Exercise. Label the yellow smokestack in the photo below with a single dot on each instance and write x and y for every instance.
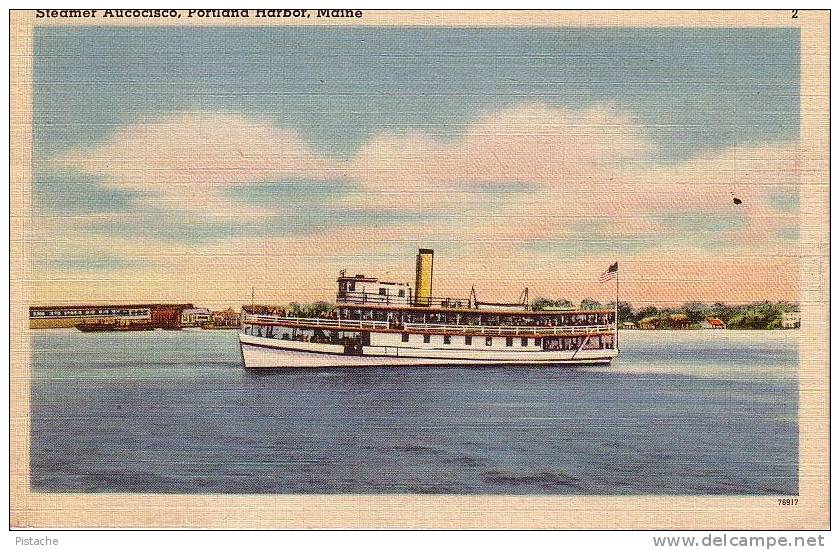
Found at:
(423, 282)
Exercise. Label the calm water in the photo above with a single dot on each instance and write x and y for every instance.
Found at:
(175, 412)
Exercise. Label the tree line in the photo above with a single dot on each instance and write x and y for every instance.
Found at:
(755, 315)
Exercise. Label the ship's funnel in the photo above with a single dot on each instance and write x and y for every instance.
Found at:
(423, 282)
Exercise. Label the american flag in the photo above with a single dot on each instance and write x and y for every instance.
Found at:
(610, 273)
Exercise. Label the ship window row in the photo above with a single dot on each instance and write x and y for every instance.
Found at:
(82, 312)
(551, 344)
(397, 318)
(384, 292)
(574, 343)
(468, 340)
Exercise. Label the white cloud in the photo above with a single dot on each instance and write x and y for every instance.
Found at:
(187, 160)
(578, 175)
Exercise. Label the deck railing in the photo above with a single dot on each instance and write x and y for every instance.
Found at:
(315, 321)
(488, 330)
(506, 330)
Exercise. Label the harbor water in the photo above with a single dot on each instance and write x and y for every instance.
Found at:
(678, 413)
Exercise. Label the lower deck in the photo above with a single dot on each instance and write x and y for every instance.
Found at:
(428, 336)
(270, 352)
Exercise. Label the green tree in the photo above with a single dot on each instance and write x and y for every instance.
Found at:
(543, 303)
(589, 303)
(647, 311)
(695, 312)
(318, 309)
(625, 310)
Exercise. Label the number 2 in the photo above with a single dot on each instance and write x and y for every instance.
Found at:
(795, 14)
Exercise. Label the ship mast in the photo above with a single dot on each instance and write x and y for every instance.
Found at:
(523, 298)
(616, 309)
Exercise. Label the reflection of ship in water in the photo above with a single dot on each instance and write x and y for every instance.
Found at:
(377, 323)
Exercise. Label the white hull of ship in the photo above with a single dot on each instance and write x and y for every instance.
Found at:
(261, 352)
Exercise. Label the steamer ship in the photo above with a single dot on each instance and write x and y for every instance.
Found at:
(381, 323)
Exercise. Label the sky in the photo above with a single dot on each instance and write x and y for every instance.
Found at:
(192, 164)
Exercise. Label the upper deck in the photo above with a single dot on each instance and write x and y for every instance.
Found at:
(447, 305)
(359, 293)
(368, 304)
(367, 325)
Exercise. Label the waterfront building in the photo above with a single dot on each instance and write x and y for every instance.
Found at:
(713, 323)
(679, 321)
(791, 319)
(195, 317)
(68, 316)
(224, 319)
(649, 323)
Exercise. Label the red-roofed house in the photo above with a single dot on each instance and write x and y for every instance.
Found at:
(713, 323)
